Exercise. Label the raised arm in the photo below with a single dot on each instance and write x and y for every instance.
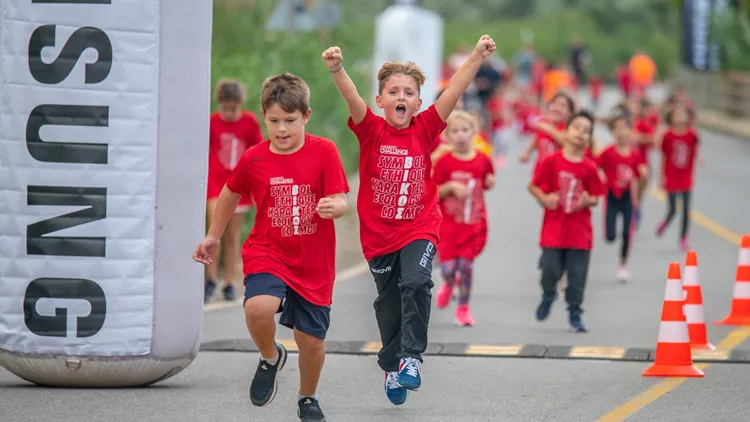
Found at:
(463, 77)
(354, 102)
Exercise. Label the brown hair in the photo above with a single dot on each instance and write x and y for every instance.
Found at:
(230, 90)
(409, 69)
(568, 99)
(290, 92)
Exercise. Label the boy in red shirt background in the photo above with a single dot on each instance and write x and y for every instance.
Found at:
(398, 202)
(231, 131)
(462, 176)
(289, 257)
(567, 185)
(679, 148)
(623, 166)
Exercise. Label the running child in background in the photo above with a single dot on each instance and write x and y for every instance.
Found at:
(595, 90)
(462, 177)
(645, 136)
(527, 113)
(399, 232)
(623, 166)
(549, 131)
(680, 151)
(289, 263)
(501, 121)
(231, 131)
(567, 185)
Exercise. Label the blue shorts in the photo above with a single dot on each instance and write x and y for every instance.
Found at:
(296, 311)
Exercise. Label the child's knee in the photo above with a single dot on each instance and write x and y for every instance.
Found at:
(610, 237)
(260, 307)
(309, 343)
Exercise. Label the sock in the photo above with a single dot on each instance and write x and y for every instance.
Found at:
(300, 396)
(274, 360)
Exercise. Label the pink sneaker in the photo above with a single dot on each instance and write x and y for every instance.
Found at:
(660, 230)
(463, 317)
(684, 244)
(444, 296)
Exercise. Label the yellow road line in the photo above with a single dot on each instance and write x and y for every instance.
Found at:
(734, 339)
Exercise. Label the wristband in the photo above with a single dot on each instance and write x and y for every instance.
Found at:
(341, 66)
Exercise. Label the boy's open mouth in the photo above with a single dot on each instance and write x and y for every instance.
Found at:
(401, 110)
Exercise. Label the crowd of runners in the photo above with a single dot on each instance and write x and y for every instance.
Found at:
(424, 172)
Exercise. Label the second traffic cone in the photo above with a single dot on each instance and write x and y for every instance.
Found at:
(696, 319)
(673, 357)
(740, 310)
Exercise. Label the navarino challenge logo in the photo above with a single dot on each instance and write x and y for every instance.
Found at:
(392, 150)
(281, 181)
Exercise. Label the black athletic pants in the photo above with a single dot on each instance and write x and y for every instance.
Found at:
(402, 309)
(615, 207)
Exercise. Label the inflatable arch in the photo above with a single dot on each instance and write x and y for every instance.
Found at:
(103, 145)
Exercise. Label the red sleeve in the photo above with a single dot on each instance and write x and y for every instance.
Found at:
(334, 176)
(254, 136)
(365, 130)
(490, 167)
(430, 123)
(440, 171)
(238, 182)
(696, 139)
(542, 175)
(594, 185)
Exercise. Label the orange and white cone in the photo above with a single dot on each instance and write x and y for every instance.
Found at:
(696, 318)
(740, 311)
(673, 356)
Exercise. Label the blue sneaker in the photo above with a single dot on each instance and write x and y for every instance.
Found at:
(409, 374)
(396, 393)
(542, 312)
(208, 290)
(575, 320)
(228, 291)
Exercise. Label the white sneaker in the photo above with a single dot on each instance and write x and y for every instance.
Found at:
(623, 274)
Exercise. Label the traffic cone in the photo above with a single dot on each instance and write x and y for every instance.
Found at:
(673, 357)
(740, 311)
(696, 319)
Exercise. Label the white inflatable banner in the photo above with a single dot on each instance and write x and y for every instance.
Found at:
(78, 152)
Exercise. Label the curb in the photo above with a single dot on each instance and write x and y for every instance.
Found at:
(724, 125)
(495, 351)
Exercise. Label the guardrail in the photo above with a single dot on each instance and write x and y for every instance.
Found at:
(728, 93)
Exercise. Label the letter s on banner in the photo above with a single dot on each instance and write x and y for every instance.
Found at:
(78, 150)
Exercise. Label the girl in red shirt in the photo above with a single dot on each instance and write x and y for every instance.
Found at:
(645, 137)
(622, 165)
(549, 131)
(231, 132)
(679, 148)
(462, 177)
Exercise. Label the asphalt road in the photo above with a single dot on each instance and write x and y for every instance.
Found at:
(506, 292)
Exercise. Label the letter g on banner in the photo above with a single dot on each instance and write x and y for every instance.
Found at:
(63, 296)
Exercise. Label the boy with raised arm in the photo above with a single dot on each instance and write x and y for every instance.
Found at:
(398, 202)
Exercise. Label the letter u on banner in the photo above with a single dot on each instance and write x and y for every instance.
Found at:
(78, 153)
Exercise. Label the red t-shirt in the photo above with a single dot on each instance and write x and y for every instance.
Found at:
(645, 126)
(679, 151)
(564, 227)
(620, 170)
(289, 239)
(397, 201)
(596, 88)
(546, 144)
(226, 143)
(463, 232)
